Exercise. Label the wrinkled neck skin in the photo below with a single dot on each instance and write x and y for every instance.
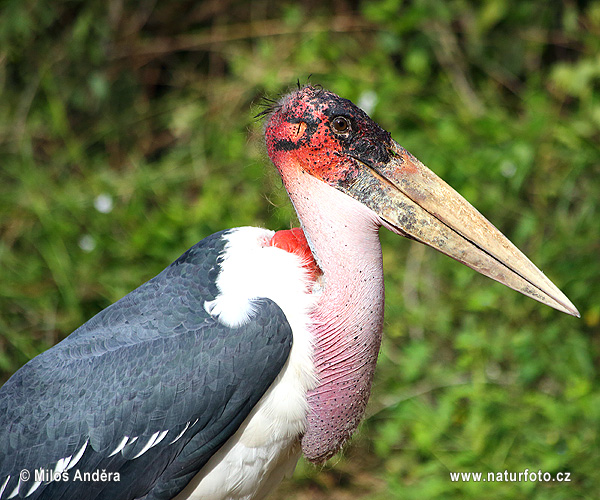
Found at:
(348, 318)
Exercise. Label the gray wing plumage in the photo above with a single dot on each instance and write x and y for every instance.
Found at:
(151, 388)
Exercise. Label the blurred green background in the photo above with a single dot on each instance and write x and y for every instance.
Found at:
(127, 134)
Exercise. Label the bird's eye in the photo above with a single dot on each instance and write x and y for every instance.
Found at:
(340, 125)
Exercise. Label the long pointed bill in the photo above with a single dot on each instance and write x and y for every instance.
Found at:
(411, 200)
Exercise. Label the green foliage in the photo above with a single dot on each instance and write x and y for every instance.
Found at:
(127, 134)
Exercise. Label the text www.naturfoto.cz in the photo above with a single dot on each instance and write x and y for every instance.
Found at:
(513, 477)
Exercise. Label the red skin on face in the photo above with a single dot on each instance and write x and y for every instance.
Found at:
(300, 132)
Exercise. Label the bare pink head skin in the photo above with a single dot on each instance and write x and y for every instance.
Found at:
(346, 178)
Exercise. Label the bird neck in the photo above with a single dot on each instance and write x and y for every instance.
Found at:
(347, 320)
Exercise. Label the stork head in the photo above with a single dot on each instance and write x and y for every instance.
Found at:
(330, 138)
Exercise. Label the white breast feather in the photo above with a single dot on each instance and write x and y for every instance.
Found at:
(266, 447)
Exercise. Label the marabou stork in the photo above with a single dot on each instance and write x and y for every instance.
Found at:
(254, 346)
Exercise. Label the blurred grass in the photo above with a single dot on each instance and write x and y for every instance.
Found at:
(126, 135)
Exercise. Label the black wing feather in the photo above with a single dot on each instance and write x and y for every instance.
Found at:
(151, 362)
